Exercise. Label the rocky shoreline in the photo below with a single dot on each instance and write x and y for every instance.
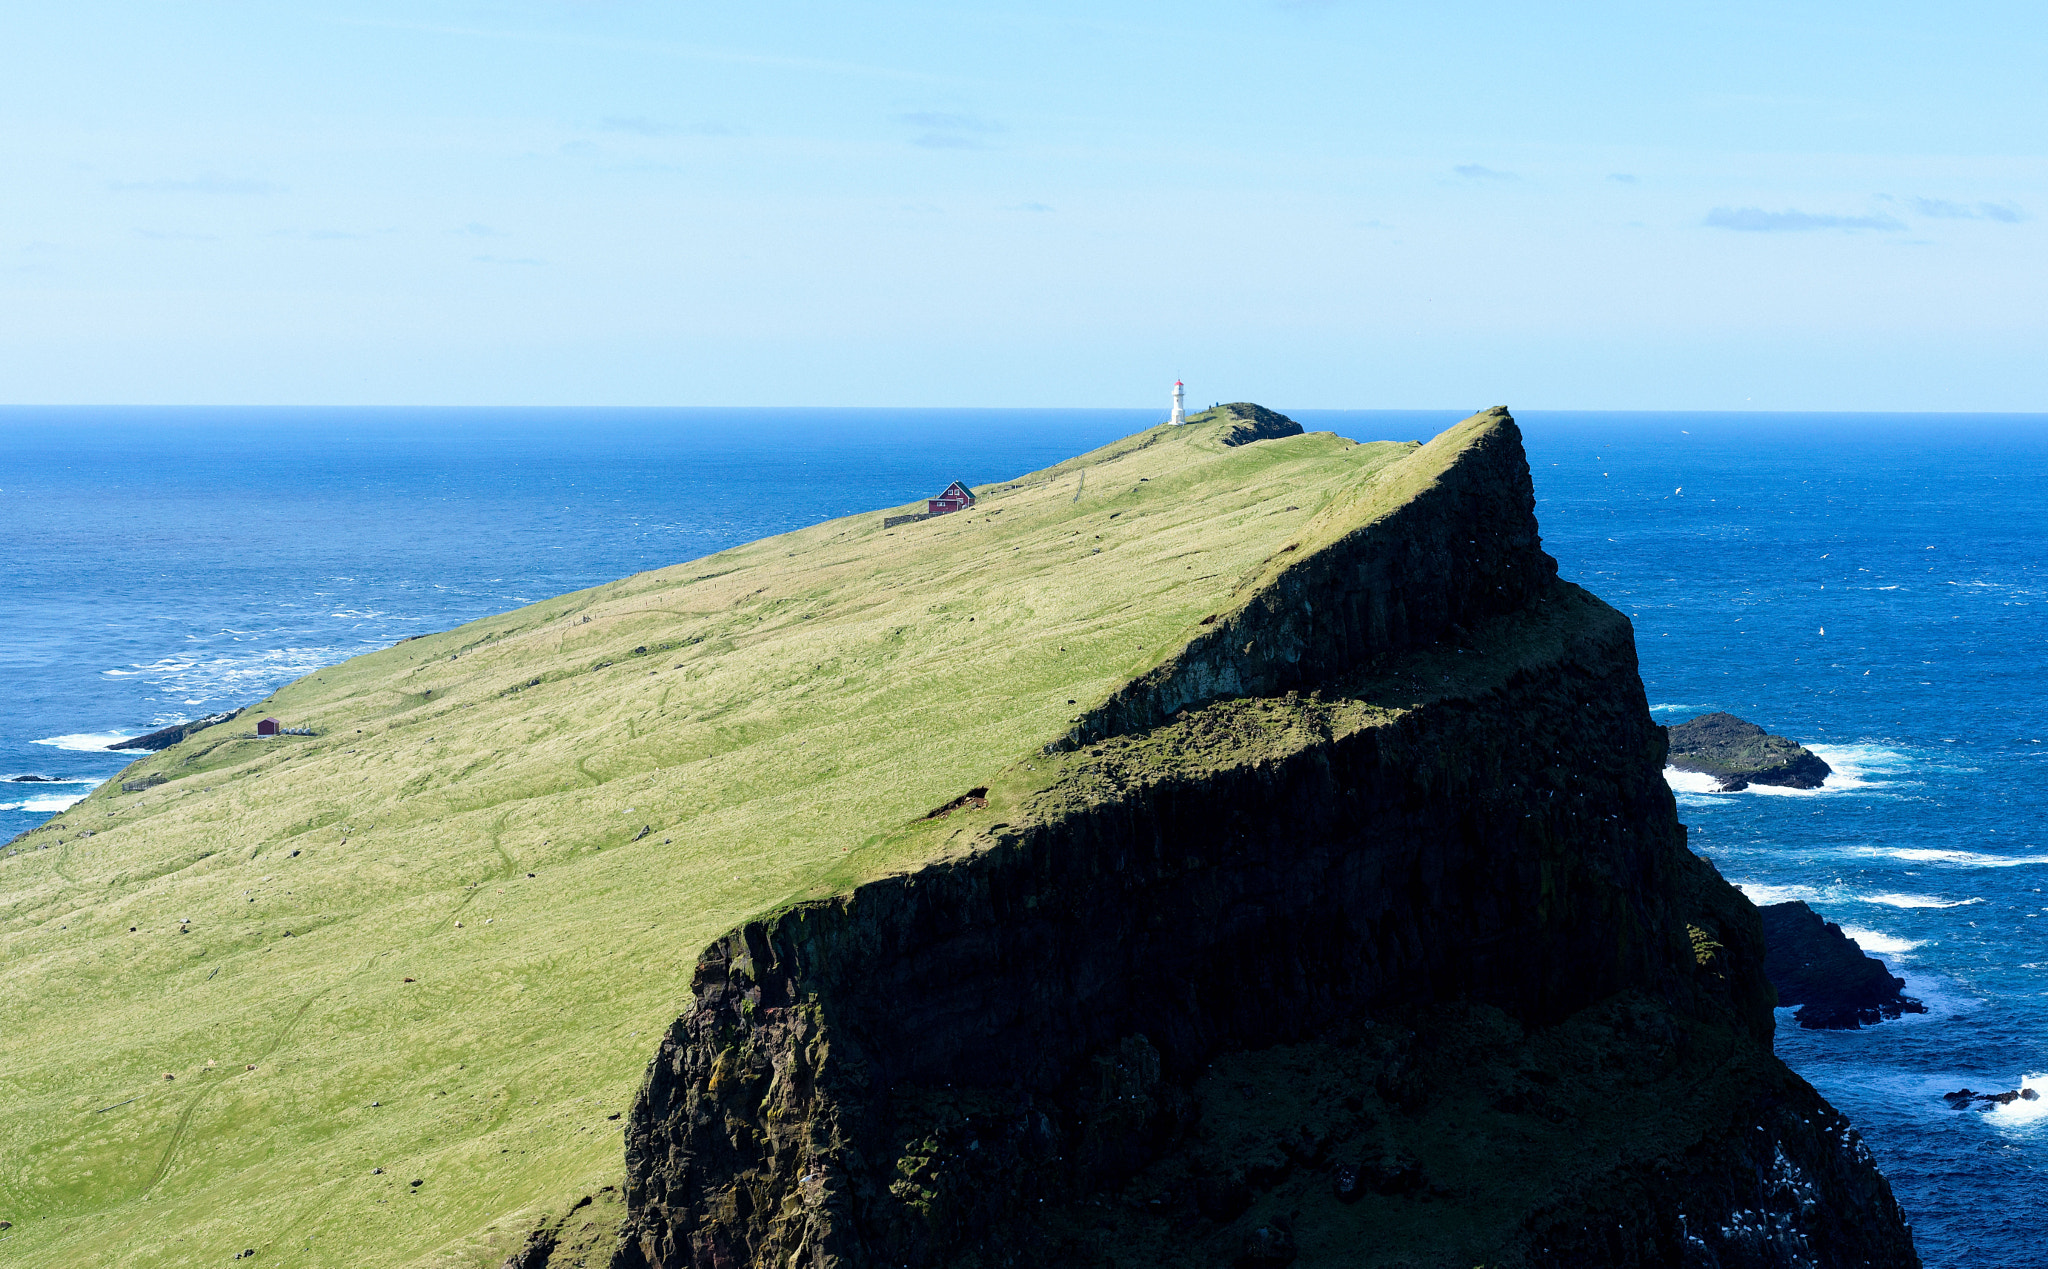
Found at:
(165, 737)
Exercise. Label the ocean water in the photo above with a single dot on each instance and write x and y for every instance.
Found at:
(1870, 585)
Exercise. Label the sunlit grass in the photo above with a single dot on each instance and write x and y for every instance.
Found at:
(665, 756)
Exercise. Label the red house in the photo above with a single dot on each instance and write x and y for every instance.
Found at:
(956, 498)
(268, 727)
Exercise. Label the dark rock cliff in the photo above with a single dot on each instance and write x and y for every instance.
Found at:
(1363, 932)
(1814, 965)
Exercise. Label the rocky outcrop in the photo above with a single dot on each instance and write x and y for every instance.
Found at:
(1966, 1099)
(165, 737)
(1363, 931)
(585, 1236)
(1814, 965)
(1740, 754)
(1244, 422)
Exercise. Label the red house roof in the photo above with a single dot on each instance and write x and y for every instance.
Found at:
(955, 497)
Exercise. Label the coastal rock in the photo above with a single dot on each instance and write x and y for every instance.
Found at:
(1822, 970)
(1740, 754)
(165, 737)
(1275, 901)
(1965, 1099)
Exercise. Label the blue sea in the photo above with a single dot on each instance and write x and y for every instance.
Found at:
(1872, 585)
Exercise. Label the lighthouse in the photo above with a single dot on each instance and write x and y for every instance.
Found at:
(1177, 420)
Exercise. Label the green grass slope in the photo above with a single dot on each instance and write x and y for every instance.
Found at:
(441, 937)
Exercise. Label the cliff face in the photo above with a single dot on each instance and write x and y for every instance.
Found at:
(1361, 930)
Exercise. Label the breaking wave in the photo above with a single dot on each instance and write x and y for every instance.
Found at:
(1960, 858)
(1878, 943)
(88, 742)
(1916, 901)
(1854, 769)
(1763, 894)
(2023, 1113)
(51, 804)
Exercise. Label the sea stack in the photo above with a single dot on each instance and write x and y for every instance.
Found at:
(1740, 754)
(1814, 965)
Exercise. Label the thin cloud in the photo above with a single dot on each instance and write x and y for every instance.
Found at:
(1623, 178)
(1942, 209)
(210, 183)
(1756, 220)
(1031, 207)
(938, 131)
(477, 229)
(162, 235)
(1474, 172)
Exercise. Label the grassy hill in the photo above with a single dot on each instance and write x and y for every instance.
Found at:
(440, 937)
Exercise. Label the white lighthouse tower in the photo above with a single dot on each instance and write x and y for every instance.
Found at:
(1177, 420)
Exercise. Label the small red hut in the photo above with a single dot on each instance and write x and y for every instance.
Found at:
(268, 727)
(957, 497)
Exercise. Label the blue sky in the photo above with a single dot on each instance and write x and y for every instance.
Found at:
(1684, 206)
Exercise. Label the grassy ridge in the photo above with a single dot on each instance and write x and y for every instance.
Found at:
(771, 716)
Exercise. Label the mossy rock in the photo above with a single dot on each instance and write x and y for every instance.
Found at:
(1740, 754)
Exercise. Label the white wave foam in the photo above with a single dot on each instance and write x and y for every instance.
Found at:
(1780, 791)
(1864, 760)
(1690, 781)
(62, 801)
(88, 742)
(1853, 768)
(1916, 901)
(1763, 894)
(2023, 1113)
(1961, 858)
(202, 679)
(1681, 709)
(1877, 943)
